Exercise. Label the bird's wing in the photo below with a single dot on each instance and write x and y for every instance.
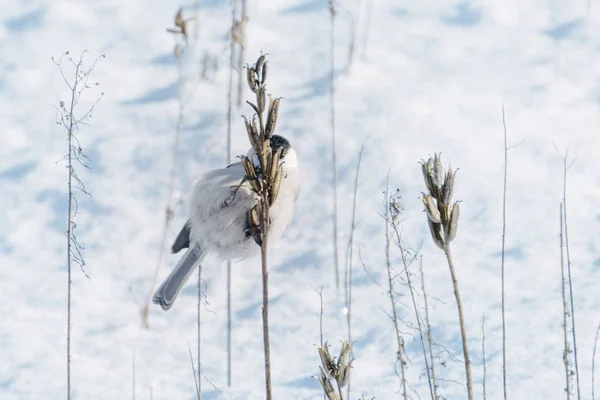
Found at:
(182, 241)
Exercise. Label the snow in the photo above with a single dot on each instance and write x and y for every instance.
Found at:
(431, 77)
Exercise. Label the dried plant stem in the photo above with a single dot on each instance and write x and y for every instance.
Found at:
(428, 329)
(70, 122)
(461, 317)
(399, 339)
(199, 335)
(405, 265)
(196, 381)
(265, 280)
(171, 192)
(349, 264)
(483, 356)
(503, 254)
(333, 144)
(567, 349)
(570, 279)
(242, 49)
(229, 114)
(594, 362)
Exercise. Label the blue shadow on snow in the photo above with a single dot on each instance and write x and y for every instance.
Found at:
(564, 30)
(463, 15)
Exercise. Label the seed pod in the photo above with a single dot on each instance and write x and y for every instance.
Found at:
(276, 185)
(262, 98)
(426, 175)
(325, 357)
(344, 375)
(251, 75)
(328, 387)
(453, 223)
(253, 222)
(437, 234)
(438, 171)
(431, 208)
(272, 117)
(448, 187)
(253, 106)
(344, 354)
(265, 69)
(259, 63)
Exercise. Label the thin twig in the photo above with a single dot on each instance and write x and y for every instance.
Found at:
(405, 264)
(483, 356)
(503, 254)
(570, 279)
(594, 362)
(198, 393)
(567, 349)
(242, 49)
(333, 144)
(429, 336)
(349, 263)
(399, 339)
(66, 117)
(199, 336)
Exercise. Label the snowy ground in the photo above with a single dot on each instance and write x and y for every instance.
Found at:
(429, 76)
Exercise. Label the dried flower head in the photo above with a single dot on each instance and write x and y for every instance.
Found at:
(442, 215)
(338, 371)
(265, 175)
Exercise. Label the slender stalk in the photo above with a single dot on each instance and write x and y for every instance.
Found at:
(321, 326)
(242, 50)
(414, 303)
(400, 340)
(265, 281)
(350, 254)
(196, 381)
(461, 317)
(333, 145)
(229, 114)
(429, 337)
(567, 349)
(70, 223)
(594, 362)
(199, 336)
(483, 356)
(570, 280)
(503, 254)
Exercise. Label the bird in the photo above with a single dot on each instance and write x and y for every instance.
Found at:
(217, 218)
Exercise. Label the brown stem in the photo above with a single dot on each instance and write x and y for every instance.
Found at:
(461, 317)
(566, 349)
(265, 280)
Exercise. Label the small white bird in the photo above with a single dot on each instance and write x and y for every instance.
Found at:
(218, 209)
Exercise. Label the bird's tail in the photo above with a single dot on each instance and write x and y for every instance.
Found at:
(167, 293)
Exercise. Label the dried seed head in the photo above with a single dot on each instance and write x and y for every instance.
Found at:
(437, 234)
(276, 185)
(272, 116)
(453, 223)
(431, 209)
(253, 222)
